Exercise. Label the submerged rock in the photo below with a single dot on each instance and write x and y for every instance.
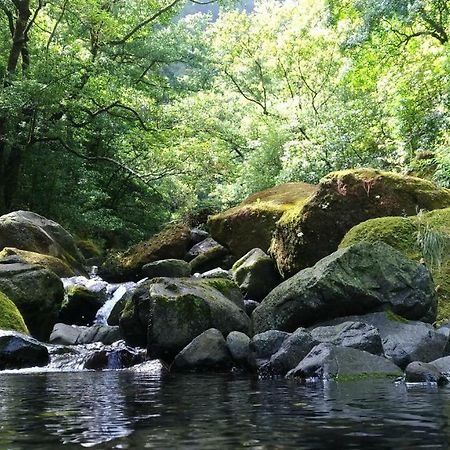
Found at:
(327, 361)
(250, 225)
(208, 351)
(25, 230)
(38, 294)
(356, 280)
(256, 274)
(18, 351)
(166, 314)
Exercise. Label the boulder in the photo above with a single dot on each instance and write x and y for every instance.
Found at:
(256, 274)
(264, 345)
(80, 306)
(208, 351)
(228, 288)
(216, 273)
(442, 364)
(405, 341)
(198, 235)
(25, 230)
(356, 280)
(402, 233)
(56, 265)
(166, 314)
(359, 335)
(344, 199)
(250, 306)
(250, 225)
(420, 372)
(64, 334)
(171, 268)
(18, 351)
(10, 317)
(171, 243)
(209, 255)
(291, 352)
(327, 361)
(38, 294)
(239, 347)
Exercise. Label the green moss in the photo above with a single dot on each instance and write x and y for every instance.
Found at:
(365, 376)
(10, 317)
(223, 285)
(390, 315)
(401, 233)
(89, 248)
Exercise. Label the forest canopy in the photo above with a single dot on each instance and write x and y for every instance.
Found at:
(119, 115)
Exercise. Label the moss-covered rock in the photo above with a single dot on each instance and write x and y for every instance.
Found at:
(28, 231)
(311, 231)
(38, 294)
(89, 248)
(166, 314)
(402, 234)
(49, 262)
(10, 317)
(171, 243)
(250, 224)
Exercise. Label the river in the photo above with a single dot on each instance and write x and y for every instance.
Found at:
(132, 410)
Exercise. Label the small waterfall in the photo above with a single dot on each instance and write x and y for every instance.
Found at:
(117, 293)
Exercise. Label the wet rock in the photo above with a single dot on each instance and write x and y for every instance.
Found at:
(165, 314)
(264, 345)
(38, 294)
(63, 334)
(291, 352)
(239, 346)
(327, 361)
(359, 335)
(19, 351)
(256, 274)
(113, 359)
(357, 280)
(170, 268)
(442, 364)
(208, 351)
(420, 372)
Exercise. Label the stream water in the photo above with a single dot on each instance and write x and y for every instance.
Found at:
(136, 410)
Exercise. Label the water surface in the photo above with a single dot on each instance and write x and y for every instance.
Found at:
(127, 410)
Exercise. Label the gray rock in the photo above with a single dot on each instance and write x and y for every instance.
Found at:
(198, 235)
(359, 279)
(256, 274)
(113, 359)
(171, 268)
(264, 345)
(405, 341)
(209, 255)
(239, 346)
(38, 294)
(217, 273)
(63, 334)
(328, 361)
(19, 351)
(420, 372)
(204, 246)
(291, 352)
(250, 306)
(166, 314)
(442, 364)
(361, 336)
(208, 351)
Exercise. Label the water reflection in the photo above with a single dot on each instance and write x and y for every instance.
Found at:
(127, 409)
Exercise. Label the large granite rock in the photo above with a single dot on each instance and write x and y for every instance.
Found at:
(38, 294)
(344, 199)
(18, 351)
(327, 361)
(357, 280)
(251, 224)
(25, 230)
(166, 314)
(208, 351)
(256, 274)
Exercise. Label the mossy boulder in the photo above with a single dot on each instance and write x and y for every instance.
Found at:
(37, 293)
(250, 224)
(311, 231)
(56, 265)
(25, 230)
(10, 317)
(402, 234)
(171, 243)
(89, 248)
(166, 314)
(359, 279)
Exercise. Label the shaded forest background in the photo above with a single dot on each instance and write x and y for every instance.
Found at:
(117, 116)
